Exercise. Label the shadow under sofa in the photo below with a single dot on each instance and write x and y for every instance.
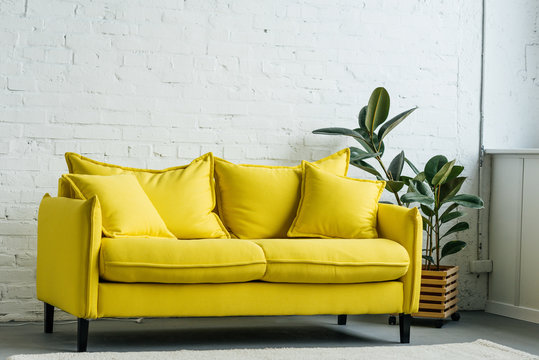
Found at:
(83, 273)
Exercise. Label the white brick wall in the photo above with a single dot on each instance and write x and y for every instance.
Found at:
(511, 98)
(155, 84)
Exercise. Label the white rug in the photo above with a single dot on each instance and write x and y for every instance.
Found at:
(479, 349)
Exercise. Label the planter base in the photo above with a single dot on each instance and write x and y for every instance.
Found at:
(438, 298)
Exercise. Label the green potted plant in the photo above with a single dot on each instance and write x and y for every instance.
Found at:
(435, 190)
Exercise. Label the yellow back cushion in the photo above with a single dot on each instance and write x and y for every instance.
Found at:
(334, 206)
(260, 202)
(184, 196)
(126, 209)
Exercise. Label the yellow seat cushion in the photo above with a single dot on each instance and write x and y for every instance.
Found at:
(180, 261)
(126, 209)
(184, 196)
(260, 202)
(334, 206)
(333, 261)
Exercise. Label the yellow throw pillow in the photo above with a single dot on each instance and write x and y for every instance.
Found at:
(184, 196)
(126, 210)
(334, 206)
(260, 202)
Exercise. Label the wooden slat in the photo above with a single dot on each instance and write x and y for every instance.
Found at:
(428, 314)
(448, 312)
(436, 314)
(440, 282)
(424, 306)
(450, 303)
(445, 272)
(437, 306)
(443, 297)
(450, 278)
(438, 290)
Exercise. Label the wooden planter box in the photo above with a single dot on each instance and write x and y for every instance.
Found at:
(438, 298)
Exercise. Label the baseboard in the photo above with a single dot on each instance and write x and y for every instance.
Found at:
(512, 311)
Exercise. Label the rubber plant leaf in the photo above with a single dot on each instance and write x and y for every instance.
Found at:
(377, 109)
(450, 208)
(467, 200)
(358, 154)
(394, 186)
(361, 117)
(450, 188)
(433, 166)
(412, 166)
(347, 132)
(456, 171)
(396, 165)
(391, 124)
(366, 167)
(441, 176)
(416, 197)
(452, 247)
(461, 226)
(451, 216)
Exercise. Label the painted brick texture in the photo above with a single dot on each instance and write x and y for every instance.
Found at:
(155, 84)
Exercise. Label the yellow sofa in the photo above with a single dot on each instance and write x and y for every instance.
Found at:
(90, 276)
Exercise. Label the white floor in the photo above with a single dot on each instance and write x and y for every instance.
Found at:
(262, 332)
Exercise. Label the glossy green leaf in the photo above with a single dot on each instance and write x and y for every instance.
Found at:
(457, 169)
(450, 208)
(396, 165)
(412, 166)
(394, 186)
(378, 109)
(427, 211)
(361, 117)
(467, 200)
(416, 197)
(428, 258)
(366, 167)
(359, 154)
(450, 188)
(346, 132)
(461, 226)
(446, 217)
(442, 174)
(405, 179)
(391, 124)
(433, 166)
(337, 131)
(420, 176)
(423, 189)
(452, 247)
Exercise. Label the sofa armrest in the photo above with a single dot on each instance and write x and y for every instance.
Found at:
(68, 242)
(404, 226)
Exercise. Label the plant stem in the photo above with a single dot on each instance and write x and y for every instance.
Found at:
(436, 211)
(431, 229)
(427, 247)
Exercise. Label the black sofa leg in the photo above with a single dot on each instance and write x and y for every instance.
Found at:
(404, 326)
(48, 318)
(82, 334)
(341, 319)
